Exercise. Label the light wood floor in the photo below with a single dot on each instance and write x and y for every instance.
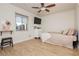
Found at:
(37, 48)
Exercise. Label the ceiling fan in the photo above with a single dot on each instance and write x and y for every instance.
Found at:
(44, 8)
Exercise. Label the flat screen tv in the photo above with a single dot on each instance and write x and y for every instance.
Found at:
(37, 20)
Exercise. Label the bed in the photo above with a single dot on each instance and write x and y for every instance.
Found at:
(58, 39)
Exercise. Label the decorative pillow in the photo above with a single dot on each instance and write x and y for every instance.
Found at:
(70, 32)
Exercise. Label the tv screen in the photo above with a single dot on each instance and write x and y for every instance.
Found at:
(37, 20)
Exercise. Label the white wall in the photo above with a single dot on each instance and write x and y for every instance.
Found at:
(59, 21)
(7, 12)
(77, 19)
(50, 23)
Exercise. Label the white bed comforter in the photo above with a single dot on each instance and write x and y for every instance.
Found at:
(58, 39)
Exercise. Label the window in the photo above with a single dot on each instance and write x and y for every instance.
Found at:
(21, 22)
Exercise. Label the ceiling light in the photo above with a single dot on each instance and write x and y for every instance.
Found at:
(43, 8)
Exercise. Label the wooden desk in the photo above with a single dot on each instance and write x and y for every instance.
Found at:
(5, 31)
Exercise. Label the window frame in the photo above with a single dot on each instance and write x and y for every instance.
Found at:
(26, 24)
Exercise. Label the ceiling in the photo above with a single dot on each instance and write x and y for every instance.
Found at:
(58, 7)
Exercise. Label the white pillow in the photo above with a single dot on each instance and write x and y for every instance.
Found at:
(71, 32)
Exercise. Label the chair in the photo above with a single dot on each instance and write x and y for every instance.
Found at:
(6, 41)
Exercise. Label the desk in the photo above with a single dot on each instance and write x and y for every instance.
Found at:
(5, 31)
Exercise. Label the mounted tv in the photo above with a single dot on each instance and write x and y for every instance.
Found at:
(37, 20)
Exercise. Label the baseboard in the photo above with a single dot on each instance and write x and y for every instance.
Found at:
(19, 41)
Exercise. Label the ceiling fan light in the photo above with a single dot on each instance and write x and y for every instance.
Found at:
(43, 8)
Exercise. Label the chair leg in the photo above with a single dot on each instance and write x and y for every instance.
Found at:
(11, 42)
(2, 46)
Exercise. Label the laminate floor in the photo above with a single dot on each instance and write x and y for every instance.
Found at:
(35, 47)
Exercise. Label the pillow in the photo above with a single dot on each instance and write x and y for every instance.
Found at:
(70, 32)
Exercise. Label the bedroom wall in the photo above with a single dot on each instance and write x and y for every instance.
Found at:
(7, 12)
(59, 21)
(77, 18)
(50, 23)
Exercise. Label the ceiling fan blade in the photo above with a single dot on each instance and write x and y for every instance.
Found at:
(42, 4)
(36, 7)
(47, 10)
(39, 11)
(52, 5)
